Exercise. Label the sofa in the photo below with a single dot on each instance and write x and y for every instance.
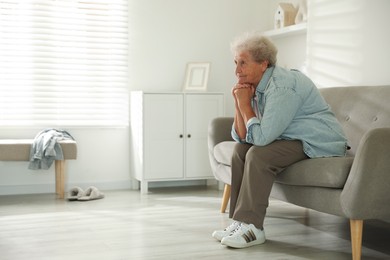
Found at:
(356, 186)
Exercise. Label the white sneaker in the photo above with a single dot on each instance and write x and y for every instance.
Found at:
(244, 236)
(219, 234)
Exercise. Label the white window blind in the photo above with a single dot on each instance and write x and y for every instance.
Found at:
(63, 63)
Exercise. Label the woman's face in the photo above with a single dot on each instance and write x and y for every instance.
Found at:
(247, 70)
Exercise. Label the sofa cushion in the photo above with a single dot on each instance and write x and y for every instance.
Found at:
(223, 152)
(329, 172)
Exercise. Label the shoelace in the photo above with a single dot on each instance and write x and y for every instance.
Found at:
(232, 225)
(238, 228)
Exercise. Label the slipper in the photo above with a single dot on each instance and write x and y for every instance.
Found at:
(92, 193)
(75, 193)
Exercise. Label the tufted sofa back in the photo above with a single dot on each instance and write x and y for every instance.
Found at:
(359, 109)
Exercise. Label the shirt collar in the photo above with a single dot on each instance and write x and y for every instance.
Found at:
(264, 82)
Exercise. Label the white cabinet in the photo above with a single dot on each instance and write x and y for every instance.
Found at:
(169, 135)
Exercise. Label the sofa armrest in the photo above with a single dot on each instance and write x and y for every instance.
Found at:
(219, 131)
(366, 194)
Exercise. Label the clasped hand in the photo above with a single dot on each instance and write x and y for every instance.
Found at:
(243, 93)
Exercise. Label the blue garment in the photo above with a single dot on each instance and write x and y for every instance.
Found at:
(292, 108)
(45, 148)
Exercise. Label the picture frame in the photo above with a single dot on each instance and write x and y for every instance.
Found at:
(197, 74)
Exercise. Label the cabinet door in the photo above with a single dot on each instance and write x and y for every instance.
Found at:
(163, 139)
(200, 110)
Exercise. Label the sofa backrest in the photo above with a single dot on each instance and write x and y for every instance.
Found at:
(359, 109)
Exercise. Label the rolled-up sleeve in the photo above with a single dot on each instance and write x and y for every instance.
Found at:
(235, 135)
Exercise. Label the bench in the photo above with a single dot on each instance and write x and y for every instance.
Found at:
(19, 150)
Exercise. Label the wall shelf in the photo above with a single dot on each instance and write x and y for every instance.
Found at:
(291, 30)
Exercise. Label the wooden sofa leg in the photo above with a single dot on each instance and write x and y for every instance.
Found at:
(60, 178)
(225, 198)
(356, 238)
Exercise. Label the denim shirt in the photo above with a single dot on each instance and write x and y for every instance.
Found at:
(292, 108)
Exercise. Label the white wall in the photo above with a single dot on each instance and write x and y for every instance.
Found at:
(165, 35)
(348, 42)
(169, 33)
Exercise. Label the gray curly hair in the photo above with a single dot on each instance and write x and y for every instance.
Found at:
(260, 47)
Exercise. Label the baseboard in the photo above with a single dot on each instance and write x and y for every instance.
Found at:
(166, 184)
(120, 185)
(50, 187)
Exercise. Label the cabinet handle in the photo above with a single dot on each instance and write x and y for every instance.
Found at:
(189, 136)
(181, 136)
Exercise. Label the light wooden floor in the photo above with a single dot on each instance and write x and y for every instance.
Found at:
(168, 224)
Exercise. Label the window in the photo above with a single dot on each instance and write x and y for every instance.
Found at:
(63, 63)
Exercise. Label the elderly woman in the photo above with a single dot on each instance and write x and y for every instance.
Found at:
(280, 118)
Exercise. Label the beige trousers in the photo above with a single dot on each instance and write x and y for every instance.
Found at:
(254, 169)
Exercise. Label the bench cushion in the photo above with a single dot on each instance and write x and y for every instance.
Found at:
(19, 149)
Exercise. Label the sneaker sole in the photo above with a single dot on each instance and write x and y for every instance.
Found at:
(240, 245)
